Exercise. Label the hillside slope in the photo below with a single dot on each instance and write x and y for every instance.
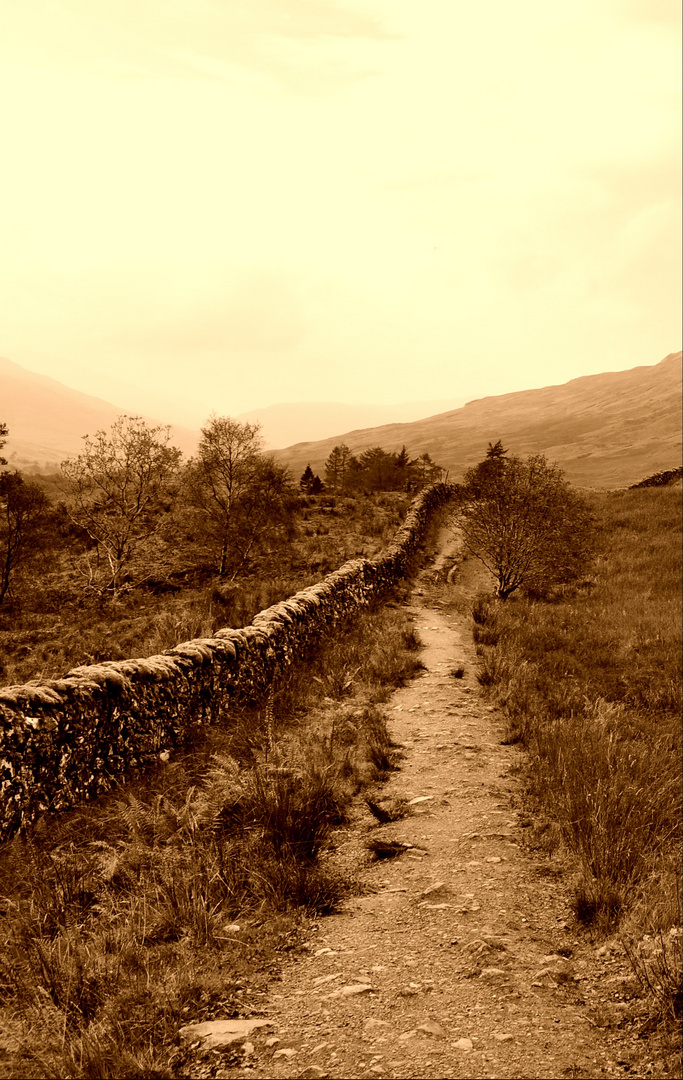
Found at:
(314, 420)
(604, 430)
(47, 419)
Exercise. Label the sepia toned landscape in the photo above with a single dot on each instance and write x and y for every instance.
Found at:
(341, 469)
(402, 743)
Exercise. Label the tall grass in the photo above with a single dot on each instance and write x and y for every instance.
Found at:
(171, 899)
(591, 684)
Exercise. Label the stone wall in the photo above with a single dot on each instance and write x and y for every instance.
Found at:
(67, 740)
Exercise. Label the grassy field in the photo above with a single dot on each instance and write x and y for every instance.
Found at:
(173, 899)
(591, 685)
(57, 624)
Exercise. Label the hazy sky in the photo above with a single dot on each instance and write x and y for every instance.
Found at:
(230, 203)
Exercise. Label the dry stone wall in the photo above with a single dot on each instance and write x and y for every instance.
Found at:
(67, 740)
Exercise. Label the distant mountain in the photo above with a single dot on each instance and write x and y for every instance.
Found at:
(46, 419)
(308, 421)
(606, 430)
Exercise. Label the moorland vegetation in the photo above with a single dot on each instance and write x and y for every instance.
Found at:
(173, 896)
(129, 550)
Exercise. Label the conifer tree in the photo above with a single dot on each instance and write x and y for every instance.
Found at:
(306, 480)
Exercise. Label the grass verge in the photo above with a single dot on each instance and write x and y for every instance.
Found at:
(591, 685)
(172, 900)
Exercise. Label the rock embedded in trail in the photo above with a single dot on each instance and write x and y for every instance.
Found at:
(432, 1028)
(352, 990)
(493, 973)
(464, 1044)
(213, 1034)
(433, 889)
(322, 979)
(372, 1024)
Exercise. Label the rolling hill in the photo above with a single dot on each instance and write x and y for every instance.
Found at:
(47, 419)
(606, 430)
(314, 420)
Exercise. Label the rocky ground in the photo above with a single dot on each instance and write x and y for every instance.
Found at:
(463, 957)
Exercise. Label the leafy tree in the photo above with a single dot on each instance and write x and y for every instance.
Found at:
(378, 469)
(337, 468)
(117, 487)
(426, 471)
(243, 500)
(3, 439)
(482, 475)
(24, 514)
(524, 522)
(317, 485)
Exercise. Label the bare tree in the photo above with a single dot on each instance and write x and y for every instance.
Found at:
(524, 522)
(242, 498)
(116, 486)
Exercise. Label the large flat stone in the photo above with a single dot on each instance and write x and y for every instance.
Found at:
(213, 1034)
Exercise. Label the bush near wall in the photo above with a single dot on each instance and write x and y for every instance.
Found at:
(68, 740)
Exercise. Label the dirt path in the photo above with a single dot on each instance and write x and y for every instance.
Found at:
(462, 959)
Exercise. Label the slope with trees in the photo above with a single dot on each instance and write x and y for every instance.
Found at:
(605, 430)
(130, 550)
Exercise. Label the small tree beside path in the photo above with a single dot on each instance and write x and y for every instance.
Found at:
(523, 521)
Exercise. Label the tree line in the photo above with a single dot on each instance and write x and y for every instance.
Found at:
(129, 494)
(373, 470)
(128, 502)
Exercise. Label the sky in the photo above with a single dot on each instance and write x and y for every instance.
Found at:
(218, 205)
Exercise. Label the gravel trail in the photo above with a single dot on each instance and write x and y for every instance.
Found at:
(463, 959)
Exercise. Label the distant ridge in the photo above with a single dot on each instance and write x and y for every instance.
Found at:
(605, 430)
(47, 419)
